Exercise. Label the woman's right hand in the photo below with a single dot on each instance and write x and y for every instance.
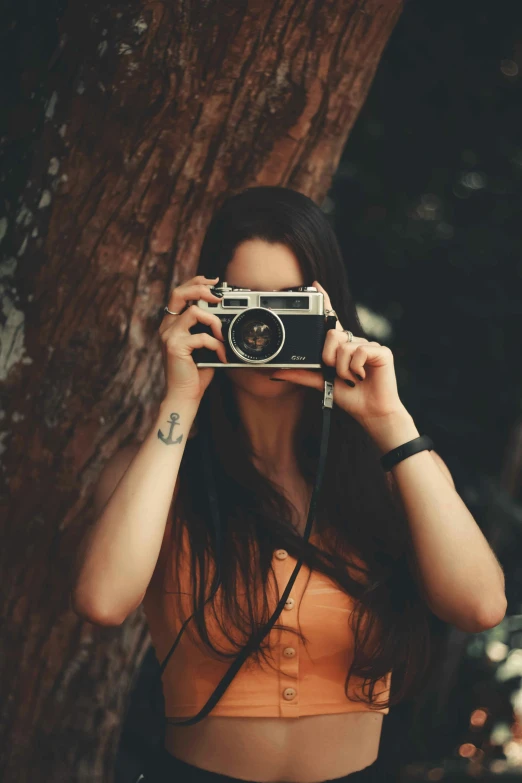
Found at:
(182, 376)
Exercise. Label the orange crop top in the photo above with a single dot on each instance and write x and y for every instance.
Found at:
(311, 677)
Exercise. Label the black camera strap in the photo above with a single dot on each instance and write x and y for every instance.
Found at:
(256, 639)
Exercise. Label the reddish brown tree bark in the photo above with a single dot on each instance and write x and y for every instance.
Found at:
(153, 112)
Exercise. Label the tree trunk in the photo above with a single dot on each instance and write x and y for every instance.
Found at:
(153, 112)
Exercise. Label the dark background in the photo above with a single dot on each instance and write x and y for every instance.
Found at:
(427, 205)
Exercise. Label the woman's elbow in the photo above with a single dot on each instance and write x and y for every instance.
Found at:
(490, 618)
(94, 615)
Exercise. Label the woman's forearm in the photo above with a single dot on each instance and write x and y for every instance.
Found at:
(459, 573)
(122, 548)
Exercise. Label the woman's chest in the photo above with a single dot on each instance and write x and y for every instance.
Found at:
(316, 608)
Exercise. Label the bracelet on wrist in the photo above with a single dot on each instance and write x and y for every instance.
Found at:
(421, 443)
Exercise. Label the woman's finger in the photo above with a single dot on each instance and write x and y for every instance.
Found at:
(327, 303)
(342, 365)
(205, 340)
(195, 288)
(330, 347)
(190, 317)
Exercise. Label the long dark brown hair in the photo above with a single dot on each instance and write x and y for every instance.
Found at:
(358, 509)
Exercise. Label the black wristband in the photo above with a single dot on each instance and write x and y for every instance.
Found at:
(421, 443)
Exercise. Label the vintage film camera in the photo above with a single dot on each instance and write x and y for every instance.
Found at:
(266, 328)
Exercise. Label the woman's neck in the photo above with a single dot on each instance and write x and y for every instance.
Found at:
(271, 425)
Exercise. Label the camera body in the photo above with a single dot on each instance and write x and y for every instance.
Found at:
(266, 328)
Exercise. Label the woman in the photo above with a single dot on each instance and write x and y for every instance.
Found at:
(356, 610)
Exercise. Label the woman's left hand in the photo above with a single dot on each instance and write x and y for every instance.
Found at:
(375, 394)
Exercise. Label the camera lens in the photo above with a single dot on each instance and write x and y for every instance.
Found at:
(257, 335)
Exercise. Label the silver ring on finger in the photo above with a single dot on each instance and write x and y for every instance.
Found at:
(170, 312)
(350, 335)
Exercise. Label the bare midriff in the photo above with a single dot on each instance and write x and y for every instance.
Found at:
(308, 749)
(275, 750)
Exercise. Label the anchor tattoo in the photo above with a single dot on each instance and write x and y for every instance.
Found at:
(168, 440)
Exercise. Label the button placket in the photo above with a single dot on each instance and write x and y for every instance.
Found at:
(288, 642)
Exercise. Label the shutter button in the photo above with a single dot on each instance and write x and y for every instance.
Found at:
(289, 603)
(281, 554)
(289, 693)
(289, 652)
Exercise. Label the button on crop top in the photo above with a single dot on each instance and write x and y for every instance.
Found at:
(305, 679)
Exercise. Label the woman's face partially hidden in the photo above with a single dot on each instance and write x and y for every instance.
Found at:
(262, 266)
